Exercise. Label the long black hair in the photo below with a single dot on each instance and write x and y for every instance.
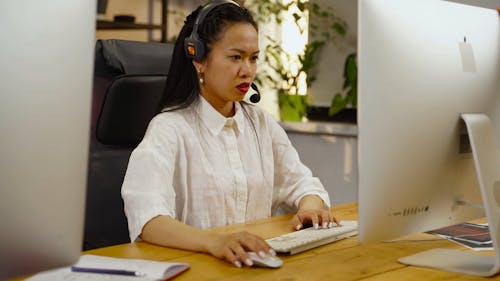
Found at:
(182, 87)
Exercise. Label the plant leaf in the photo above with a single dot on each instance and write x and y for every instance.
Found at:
(339, 28)
(338, 103)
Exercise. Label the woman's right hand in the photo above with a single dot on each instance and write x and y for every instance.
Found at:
(234, 247)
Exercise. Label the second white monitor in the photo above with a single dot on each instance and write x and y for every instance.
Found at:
(421, 64)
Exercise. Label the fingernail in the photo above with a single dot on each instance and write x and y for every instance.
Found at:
(249, 262)
(298, 226)
(237, 263)
(325, 225)
(316, 226)
(262, 254)
(272, 252)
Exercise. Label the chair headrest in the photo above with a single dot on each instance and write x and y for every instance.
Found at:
(137, 73)
(115, 57)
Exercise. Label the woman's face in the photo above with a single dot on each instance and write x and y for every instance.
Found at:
(230, 67)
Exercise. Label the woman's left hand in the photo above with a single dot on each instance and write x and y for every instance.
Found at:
(313, 211)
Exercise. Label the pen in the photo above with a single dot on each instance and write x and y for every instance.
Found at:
(106, 271)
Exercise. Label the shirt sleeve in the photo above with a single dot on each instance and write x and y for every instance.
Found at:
(293, 179)
(147, 189)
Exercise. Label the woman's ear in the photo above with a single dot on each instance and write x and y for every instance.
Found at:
(199, 66)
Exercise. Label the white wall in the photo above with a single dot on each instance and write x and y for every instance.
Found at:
(333, 159)
(330, 66)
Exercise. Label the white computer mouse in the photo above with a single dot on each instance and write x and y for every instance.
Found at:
(268, 261)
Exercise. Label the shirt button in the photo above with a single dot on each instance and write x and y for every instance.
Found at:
(229, 123)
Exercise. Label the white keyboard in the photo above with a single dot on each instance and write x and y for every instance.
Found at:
(305, 239)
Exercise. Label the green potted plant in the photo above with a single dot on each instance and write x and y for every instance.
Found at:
(292, 105)
(349, 96)
(283, 77)
(343, 104)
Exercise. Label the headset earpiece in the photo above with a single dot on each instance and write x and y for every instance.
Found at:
(194, 47)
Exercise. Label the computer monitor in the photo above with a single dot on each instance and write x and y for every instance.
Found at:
(46, 64)
(422, 63)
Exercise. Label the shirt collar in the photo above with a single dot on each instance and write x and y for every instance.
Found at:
(215, 121)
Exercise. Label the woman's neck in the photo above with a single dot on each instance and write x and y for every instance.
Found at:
(226, 108)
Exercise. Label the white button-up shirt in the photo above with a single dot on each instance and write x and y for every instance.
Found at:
(206, 170)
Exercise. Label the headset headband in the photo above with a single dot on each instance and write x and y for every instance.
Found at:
(193, 45)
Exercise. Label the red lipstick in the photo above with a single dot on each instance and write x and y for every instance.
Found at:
(243, 87)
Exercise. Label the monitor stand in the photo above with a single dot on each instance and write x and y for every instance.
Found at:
(487, 162)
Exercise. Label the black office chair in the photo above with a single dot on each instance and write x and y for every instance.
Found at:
(129, 80)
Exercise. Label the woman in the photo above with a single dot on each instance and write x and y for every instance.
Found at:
(208, 159)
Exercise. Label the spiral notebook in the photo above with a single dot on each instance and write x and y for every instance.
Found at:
(92, 267)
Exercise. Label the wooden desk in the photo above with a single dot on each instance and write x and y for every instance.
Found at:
(342, 260)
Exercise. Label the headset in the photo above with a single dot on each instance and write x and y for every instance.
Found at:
(194, 47)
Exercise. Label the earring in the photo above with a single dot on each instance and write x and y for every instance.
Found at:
(202, 80)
